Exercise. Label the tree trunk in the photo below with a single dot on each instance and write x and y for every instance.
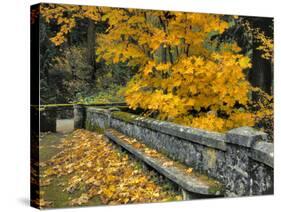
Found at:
(91, 41)
(261, 74)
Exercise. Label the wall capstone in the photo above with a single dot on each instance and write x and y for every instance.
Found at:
(245, 136)
(263, 152)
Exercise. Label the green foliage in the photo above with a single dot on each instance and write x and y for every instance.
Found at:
(47, 51)
(108, 95)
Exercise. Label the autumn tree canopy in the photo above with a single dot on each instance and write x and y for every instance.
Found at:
(185, 72)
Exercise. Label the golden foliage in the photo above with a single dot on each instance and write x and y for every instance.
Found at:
(183, 74)
(265, 42)
(101, 170)
(66, 16)
(266, 45)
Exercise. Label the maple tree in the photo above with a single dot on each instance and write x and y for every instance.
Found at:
(186, 74)
(66, 17)
(265, 42)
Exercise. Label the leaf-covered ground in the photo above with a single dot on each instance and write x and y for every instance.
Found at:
(84, 168)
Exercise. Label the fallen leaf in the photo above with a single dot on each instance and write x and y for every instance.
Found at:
(166, 164)
(189, 170)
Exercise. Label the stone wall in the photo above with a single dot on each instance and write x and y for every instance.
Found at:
(48, 119)
(49, 116)
(242, 158)
(50, 113)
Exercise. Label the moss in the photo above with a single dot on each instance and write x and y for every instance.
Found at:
(214, 185)
(47, 143)
(60, 198)
(54, 192)
(79, 103)
(127, 117)
(57, 105)
(215, 188)
(122, 108)
(93, 127)
(212, 157)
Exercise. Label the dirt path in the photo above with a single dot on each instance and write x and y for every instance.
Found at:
(84, 168)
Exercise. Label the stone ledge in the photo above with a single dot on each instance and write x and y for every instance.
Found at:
(189, 182)
(98, 110)
(263, 152)
(123, 116)
(245, 136)
(206, 138)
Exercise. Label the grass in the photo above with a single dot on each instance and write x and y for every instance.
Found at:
(48, 143)
(59, 198)
(54, 192)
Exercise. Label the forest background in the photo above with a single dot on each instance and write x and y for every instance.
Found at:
(203, 70)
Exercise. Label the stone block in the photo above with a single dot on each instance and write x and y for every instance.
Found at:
(245, 136)
(263, 152)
